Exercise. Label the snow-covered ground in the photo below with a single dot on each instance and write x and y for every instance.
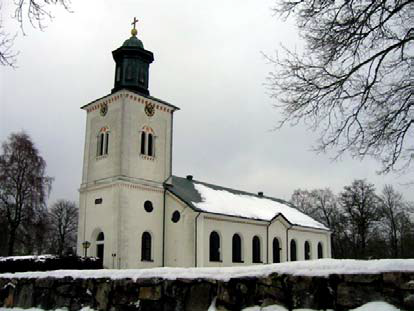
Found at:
(320, 267)
(372, 306)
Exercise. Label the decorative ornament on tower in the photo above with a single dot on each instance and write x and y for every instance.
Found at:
(132, 64)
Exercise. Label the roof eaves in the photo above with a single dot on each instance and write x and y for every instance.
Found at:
(310, 227)
(140, 94)
(281, 216)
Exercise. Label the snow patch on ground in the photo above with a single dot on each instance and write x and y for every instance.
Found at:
(225, 202)
(320, 267)
(34, 257)
(371, 306)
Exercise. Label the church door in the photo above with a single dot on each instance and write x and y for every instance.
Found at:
(100, 246)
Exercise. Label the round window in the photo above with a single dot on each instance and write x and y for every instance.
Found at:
(175, 216)
(148, 206)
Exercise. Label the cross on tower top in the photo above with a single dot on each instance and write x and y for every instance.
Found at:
(134, 22)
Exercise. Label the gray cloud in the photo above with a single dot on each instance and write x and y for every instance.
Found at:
(208, 62)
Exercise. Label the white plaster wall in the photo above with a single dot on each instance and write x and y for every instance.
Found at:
(125, 119)
(300, 235)
(135, 220)
(98, 217)
(226, 227)
(136, 179)
(98, 168)
(277, 229)
(156, 168)
(180, 236)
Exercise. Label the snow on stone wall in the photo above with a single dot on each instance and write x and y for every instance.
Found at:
(195, 289)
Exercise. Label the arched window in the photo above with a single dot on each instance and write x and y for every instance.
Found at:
(146, 246)
(276, 250)
(150, 145)
(102, 142)
(100, 239)
(237, 248)
(293, 250)
(320, 250)
(256, 249)
(147, 141)
(106, 142)
(214, 246)
(307, 251)
(143, 142)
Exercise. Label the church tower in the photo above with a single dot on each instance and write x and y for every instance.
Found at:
(127, 158)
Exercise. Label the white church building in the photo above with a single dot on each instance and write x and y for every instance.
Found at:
(134, 213)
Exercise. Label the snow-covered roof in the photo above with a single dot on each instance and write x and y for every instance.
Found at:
(215, 199)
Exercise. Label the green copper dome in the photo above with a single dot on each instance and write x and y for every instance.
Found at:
(132, 65)
(133, 42)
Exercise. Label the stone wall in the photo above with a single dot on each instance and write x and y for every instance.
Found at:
(338, 292)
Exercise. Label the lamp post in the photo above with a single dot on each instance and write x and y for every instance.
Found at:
(85, 246)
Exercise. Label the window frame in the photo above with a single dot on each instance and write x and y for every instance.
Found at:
(237, 253)
(215, 250)
(307, 248)
(102, 142)
(143, 142)
(291, 248)
(320, 250)
(146, 246)
(279, 250)
(257, 249)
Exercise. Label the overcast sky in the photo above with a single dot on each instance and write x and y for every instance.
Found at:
(208, 62)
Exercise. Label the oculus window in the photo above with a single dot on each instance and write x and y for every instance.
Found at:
(148, 206)
(175, 217)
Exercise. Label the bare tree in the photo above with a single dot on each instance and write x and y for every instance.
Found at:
(353, 81)
(33, 235)
(394, 211)
(7, 56)
(35, 12)
(360, 204)
(322, 205)
(23, 184)
(301, 199)
(64, 222)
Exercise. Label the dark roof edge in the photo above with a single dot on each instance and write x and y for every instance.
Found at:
(140, 94)
(240, 191)
(212, 213)
(190, 204)
(242, 217)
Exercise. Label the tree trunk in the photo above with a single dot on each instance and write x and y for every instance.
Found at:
(12, 239)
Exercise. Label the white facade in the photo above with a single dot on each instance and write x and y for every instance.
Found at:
(135, 214)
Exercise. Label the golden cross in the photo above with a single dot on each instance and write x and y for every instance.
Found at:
(134, 22)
